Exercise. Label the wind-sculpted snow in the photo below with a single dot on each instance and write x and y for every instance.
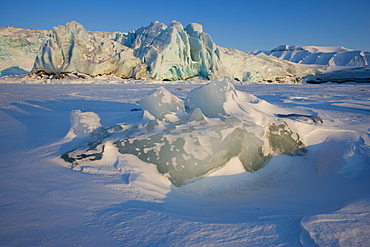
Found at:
(188, 145)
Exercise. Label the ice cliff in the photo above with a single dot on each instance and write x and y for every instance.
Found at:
(71, 48)
(157, 51)
(187, 140)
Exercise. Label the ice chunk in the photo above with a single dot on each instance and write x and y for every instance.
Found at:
(283, 140)
(210, 98)
(195, 153)
(84, 122)
(162, 104)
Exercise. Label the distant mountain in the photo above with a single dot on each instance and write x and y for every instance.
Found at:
(320, 55)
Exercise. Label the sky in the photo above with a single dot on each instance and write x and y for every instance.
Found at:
(241, 24)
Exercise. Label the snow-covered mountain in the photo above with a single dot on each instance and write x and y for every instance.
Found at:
(320, 55)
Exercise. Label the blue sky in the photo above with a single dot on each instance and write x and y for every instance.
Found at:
(242, 24)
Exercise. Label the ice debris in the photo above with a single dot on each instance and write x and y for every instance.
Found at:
(202, 140)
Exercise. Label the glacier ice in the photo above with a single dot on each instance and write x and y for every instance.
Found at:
(188, 146)
(72, 48)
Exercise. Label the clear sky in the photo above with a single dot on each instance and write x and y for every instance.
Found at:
(242, 24)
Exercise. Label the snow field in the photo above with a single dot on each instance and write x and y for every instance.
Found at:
(319, 198)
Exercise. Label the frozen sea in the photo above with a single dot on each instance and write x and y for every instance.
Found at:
(319, 199)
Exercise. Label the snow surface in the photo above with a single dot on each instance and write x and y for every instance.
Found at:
(318, 199)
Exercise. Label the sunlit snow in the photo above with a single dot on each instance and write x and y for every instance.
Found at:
(154, 165)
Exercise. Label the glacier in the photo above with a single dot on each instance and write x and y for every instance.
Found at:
(157, 51)
(189, 140)
(166, 53)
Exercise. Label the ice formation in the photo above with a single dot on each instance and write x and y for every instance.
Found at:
(189, 145)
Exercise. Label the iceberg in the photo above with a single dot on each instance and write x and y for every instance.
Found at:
(188, 146)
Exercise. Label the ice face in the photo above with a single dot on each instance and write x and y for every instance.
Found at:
(223, 124)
